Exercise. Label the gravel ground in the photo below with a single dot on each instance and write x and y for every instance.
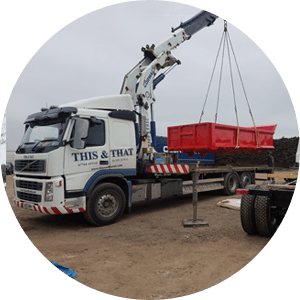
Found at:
(147, 254)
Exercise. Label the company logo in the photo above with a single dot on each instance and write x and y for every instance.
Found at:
(28, 191)
(83, 156)
(121, 152)
(165, 150)
(146, 81)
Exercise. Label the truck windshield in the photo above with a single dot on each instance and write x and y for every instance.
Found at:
(43, 136)
(42, 133)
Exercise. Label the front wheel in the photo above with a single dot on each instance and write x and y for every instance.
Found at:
(105, 205)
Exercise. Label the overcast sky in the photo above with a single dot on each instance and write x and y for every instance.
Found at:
(90, 57)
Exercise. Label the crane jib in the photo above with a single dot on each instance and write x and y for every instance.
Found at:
(196, 23)
(141, 81)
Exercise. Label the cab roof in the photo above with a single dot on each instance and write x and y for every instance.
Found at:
(116, 102)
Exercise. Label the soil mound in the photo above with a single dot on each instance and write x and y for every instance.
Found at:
(284, 155)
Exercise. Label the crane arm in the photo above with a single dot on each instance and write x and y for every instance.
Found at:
(181, 33)
(138, 82)
(198, 22)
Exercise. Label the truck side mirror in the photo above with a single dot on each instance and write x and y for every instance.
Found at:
(81, 132)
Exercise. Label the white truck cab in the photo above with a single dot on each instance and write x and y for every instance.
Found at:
(67, 150)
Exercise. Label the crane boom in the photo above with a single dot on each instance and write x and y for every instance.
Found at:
(138, 82)
(183, 32)
(198, 22)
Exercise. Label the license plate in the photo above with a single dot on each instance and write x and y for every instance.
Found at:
(28, 206)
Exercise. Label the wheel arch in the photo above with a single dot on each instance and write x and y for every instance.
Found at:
(117, 179)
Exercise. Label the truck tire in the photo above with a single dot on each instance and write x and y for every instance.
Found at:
(247, 212)
(231, 183)
(246, 179)
(105, 205)
(265, 220)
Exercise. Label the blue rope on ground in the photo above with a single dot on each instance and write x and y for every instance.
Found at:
(65, 270)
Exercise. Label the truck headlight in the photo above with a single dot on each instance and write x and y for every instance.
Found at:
(49, 191)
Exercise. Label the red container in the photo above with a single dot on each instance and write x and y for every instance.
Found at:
(208, 137)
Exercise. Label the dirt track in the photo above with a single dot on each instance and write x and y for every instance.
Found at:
(148, 254)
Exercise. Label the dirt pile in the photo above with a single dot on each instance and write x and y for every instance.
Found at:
(284, 155)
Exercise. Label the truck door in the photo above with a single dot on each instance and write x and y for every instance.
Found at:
(122, 146)
(81, 164)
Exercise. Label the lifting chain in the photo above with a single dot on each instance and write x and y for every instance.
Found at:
(226, 42)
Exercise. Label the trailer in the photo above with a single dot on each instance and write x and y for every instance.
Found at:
(226, 178)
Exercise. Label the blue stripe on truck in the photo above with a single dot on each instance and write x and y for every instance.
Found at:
(161, 146)
(108, 173)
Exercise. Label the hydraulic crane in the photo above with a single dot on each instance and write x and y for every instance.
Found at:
(140, 82)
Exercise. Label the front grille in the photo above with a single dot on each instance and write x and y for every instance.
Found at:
(29, 197)
(30, 185)
(35, 166)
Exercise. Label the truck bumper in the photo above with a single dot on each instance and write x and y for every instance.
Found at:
(30, 193)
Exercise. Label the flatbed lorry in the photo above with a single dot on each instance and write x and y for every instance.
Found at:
(94, 157)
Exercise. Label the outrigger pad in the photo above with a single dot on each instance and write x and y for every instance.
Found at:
(194, 223)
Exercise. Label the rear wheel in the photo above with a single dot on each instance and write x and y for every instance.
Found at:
(247, 212)
(105, 205)
(231, 183)
(246, 179)
(265, 216)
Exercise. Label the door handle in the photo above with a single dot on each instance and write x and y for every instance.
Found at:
(103, 162)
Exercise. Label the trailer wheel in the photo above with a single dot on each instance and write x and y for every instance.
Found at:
(246, 179)
(247, 211)
(105, 205)
(265, 219)
(231, 183)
